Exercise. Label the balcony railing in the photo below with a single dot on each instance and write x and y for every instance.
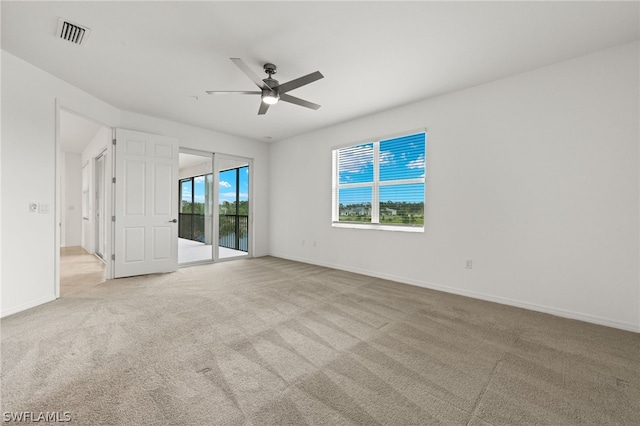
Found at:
(192, 227)
(234, 230)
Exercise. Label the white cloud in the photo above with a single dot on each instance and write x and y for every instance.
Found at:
(354, 158)
(386, 157)
(418, 163)
(225, 184)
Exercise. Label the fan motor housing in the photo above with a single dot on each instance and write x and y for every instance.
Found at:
(271, 82)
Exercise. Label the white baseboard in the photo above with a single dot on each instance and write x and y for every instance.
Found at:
(476, 295)
(25, 306)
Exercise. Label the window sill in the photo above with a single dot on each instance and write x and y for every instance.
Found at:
(378, 227)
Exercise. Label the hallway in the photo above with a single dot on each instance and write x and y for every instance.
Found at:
(79, 270)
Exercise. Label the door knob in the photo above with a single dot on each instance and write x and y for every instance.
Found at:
(174, 221)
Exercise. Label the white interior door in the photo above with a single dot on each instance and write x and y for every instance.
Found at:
(146, 204)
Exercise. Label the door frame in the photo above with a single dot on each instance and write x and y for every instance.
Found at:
(101, 181)
(62, 106)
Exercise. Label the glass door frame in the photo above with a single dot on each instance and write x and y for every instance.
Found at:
(217, 159)
(214, 209)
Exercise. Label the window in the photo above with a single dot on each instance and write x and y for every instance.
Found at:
(193, 207)
(381, 184)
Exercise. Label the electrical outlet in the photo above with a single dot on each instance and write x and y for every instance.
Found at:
(468, 264)
(33, 207)
(302, 242)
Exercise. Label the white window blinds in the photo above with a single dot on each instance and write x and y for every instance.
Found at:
(381, 182)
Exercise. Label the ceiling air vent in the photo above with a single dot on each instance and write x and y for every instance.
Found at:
(72, 32)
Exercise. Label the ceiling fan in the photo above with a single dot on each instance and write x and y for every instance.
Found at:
(271, 90)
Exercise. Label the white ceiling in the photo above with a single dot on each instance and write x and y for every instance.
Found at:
(189, 160)
(158, 58)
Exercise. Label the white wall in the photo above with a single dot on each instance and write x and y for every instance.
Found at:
(535, 177)
(29, 158)
(71, 199)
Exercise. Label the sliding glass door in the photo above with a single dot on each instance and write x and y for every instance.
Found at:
(214, 207)
(233, 207)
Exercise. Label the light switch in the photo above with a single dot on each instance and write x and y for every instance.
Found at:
(44, 208)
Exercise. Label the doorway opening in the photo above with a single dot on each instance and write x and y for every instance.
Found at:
(82, 202)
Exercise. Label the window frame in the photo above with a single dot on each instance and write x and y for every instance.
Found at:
(375, 186)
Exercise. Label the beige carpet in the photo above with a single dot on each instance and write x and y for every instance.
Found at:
(268, 341)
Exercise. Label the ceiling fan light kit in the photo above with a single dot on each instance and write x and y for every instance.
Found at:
(271, 91)
(269, 97)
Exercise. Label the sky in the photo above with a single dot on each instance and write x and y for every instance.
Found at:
(400, 158)
(198, 190)
(227, 185)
